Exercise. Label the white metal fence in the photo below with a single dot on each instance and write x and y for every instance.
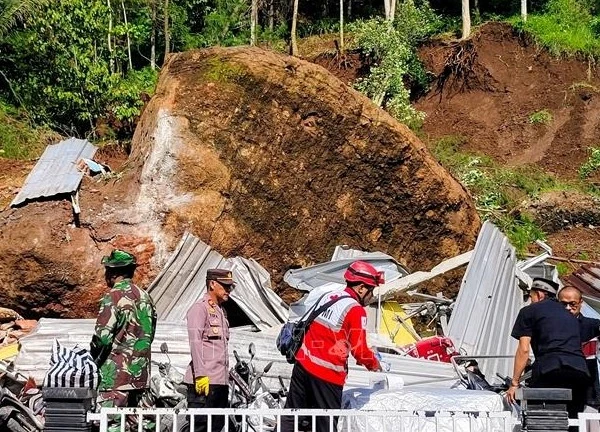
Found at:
(588, 422)
(257, 420)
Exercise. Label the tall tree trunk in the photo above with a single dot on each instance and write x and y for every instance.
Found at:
(349, 9)
(271, 15)
(127, 34)
(294, 44)
(153, 36)
(166, 30)
(253, 22)
(524, 10)
(110, 47)
(466, 19)
(386, 8)
(342, 47)
(392, 9)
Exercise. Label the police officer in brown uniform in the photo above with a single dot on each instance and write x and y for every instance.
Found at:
(208, 333)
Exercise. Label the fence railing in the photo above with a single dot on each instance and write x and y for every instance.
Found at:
(588, 422)
(264, 420)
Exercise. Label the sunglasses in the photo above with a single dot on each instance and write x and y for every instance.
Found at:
(572, 304)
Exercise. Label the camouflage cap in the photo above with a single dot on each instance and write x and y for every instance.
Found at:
(118, 258)
(222, 276)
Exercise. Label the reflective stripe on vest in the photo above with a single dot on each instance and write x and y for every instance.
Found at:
(321, 362)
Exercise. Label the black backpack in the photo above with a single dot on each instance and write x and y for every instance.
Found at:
(291, 336)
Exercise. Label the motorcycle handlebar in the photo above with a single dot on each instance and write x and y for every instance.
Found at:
(237, 357)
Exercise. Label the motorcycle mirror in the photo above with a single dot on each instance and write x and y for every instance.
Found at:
(252, 350)
(268, 367)
(164, 348)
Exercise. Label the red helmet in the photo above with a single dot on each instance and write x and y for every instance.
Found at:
(360, 271)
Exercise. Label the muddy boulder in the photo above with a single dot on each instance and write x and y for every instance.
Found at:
(271, 157)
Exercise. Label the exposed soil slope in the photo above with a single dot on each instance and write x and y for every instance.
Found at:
(511, 79)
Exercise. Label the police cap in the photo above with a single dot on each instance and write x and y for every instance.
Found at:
(546, 285)
(220, 275)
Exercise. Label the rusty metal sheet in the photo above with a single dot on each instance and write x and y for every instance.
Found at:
(587, 279)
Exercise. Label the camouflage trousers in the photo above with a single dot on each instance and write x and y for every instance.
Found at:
(123, 399)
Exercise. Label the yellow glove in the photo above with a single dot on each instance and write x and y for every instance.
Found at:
(201, 384)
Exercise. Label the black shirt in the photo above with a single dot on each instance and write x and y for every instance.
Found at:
(555, 337)
(589, 328)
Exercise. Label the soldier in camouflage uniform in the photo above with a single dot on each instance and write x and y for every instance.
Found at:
(121, 345)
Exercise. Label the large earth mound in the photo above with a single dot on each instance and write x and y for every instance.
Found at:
(274, 158)
(512, 100)
(260, 155)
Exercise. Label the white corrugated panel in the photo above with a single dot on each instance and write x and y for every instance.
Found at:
(56, 171)
(35, 352)
(183, 281)
(488, 303)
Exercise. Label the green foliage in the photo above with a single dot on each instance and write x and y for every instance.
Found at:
(18, 138)
(227, 24)
(562, 268)
(498, 192)
(222, 71)
(391, 48)
(124, 100)
(318, 27)
(592, 164)
(540, 117)
(566, 27)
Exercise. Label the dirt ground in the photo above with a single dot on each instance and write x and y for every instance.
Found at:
(514, 79)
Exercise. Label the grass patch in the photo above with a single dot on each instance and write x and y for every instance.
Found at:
(567, 27)
(20, 140)
(498, 192)
(592, 164)
(540, 117)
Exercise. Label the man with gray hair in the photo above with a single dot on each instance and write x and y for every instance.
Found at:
(548, 329)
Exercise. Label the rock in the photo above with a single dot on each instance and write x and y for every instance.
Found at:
(558, 210)
(253, 150)
(26, 325)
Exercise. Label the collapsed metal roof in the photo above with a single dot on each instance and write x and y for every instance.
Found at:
(56, 171)
(34, 356)
(183, 281)
(332, 272)
(587, 279)
(488, 303)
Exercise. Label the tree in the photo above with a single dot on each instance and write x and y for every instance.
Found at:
(12, 11)
(466, 19)
(294, 44)
(166, 29)
(342, 48)
(524, 10)
(153, 35)
(253, 22)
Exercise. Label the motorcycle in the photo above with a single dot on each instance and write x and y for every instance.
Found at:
(166, 391)
(248, 390)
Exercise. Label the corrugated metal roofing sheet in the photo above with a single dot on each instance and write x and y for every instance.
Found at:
(587, 279)
(34, 357)
(56, 172)
(332, 272)
(183, 281)
(488, 302)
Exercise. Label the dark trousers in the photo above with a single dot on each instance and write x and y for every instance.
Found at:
(567, 377)
(308, 391)
(217, 398)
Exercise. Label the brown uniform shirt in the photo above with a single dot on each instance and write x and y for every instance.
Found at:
(208, 333)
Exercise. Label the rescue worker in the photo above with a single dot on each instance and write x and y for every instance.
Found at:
(589, 330)
(207, 375)
(553, 333)
(321, 364)
(125, 327)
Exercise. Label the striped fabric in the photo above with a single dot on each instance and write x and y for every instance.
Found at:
(71, 367)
